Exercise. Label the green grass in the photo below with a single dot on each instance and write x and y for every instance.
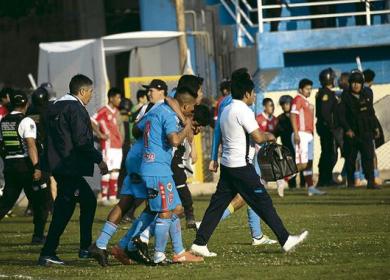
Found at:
(349, 239)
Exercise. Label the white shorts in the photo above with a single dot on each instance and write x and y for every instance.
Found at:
(113, 158)
(305, 150)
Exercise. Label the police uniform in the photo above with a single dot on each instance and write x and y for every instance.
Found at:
(326, 110)
(18, 169)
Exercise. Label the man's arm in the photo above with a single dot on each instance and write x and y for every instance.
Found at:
(174, 104)
(261, 137)
(293, 119)
(176, 138)
(96, 129)
(33, 155)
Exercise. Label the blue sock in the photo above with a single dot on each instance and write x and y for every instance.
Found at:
(226, 214)
(356, 175)
(361, 175)
(254, 223)
(376, 173)
(162, 234)
(175, 234)
(107, 232)
(144, 220)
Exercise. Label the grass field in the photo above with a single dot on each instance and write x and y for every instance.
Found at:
(349, 239)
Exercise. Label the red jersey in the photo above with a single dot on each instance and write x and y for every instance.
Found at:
(305, 113)
(3, 111)
(267, 124)
(107, 119)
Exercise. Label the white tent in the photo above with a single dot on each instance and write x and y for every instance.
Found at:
(152, 53)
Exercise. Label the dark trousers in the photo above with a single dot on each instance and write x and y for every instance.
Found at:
(246, 182)
(186, 201)
(18, 176)
(322, 22)
(70, 190)
(328, 157)
(366, 148)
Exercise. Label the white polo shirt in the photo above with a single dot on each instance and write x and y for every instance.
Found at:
(237, 122)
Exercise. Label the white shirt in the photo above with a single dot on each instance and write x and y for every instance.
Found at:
(26, 129)
(237, 122)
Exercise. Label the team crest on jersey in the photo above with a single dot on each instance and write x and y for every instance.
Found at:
(170, 198)
(149, 156)
(271, 127)
(169, 187)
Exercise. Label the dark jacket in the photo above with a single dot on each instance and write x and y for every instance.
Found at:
(284, 130)
(70, 147)
(326, 110)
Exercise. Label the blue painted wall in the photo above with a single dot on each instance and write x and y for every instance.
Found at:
(157, 15)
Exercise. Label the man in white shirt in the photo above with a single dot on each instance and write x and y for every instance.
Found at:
(238, 175)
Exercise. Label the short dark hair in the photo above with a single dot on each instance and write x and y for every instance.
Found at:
(77, 82)
(241, 83)
(113, 92)
(141, 93)
(202, 115)
(184, 90)
(190, 81)
(305, 82)
(6, 91)
(267, 100)
(226, 84)
(369, 75)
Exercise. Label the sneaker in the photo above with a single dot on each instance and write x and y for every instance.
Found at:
(50, 260)
(120, 255)
(186, 257)
(378, 181)
(84, 254)
(314, 191)
(202, 251)
(142, 249)
(281, 185)
(38, 240)
(135, 256)
(98, 254)
(160, 259)
(264, 240)
(294, 240)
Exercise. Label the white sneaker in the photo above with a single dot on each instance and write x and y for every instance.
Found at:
(159, 257)
(314, 191)
(197, 224)
(264, 240)
(202, 251)
(294, 240)
(281, 185)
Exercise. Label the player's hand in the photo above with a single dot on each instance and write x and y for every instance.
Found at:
(213, 166)
(377, 133)
(103, 167)
(297, 139)
(37, 175)
(350, 133)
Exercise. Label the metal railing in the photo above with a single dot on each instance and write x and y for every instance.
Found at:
(240, 11)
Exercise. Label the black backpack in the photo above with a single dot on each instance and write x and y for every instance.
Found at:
(276, 162)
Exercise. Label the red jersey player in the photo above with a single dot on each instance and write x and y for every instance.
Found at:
(4, 100)
(106, 126)
(302, 120)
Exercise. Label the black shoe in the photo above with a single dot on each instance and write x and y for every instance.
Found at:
(98, 254)
(165, 262)
(134, 256)
(191, 224)
(374, 187)
(142, 249)
(38, 240)
(50, 260)
(84, 254)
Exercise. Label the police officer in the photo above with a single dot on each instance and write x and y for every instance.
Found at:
(21, 165)
(360, 126)
(326, 111)
(71, 155)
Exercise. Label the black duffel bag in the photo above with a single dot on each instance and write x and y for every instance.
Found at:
(276, 162)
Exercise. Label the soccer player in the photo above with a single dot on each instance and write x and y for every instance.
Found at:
(161, 132)
(238, 124)
(302, 119)
(105, 124)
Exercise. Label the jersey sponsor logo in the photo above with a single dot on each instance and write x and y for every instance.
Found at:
(169, 187)
(149, 156)
(170, 198)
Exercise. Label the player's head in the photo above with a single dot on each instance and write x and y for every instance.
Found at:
(19, 101)
(40, 98)
(327, 77)
(369, 76)
(343, 81)
(142, 96)
(305, 86)
(268, 106)
(242, 86)
(225, 87)
(202, 115)
(5, 95)
(157, 90)
(82, 87)
(187, 100)
(194, 83)
(356, 81)
(114, 96)
(285, 103)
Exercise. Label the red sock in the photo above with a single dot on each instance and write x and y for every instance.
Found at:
(309, 180)
(105, 186)
(113, 185)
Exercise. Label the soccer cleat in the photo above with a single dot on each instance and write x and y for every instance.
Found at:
(202, 251)
(314, 191)
(38, 240)
(142, 249)
(264, 240)
(98, 254)
(120, 255)
(84, 254)
(50, 260)
(186, 257)
(294, 240)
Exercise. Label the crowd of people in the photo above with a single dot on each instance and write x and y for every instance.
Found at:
(146, 151)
